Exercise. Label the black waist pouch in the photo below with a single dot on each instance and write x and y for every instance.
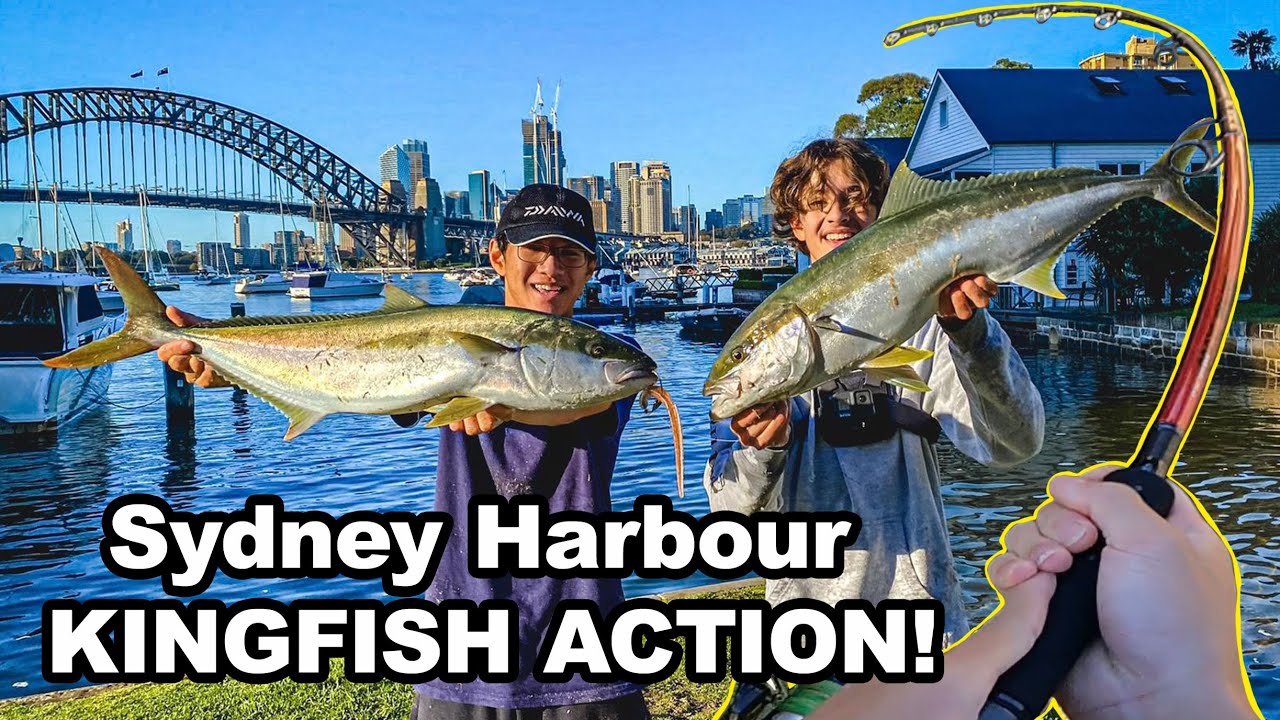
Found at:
(856, 417)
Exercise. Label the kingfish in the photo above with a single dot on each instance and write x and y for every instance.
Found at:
(405, 357)
(855, 307)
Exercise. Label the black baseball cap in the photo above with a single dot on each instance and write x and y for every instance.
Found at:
(545, 211)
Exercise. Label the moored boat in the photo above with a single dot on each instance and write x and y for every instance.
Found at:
(324, 284)
(43, 315)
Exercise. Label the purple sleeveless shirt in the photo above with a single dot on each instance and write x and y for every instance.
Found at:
(572, 466)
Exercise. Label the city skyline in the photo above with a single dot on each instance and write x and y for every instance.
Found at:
(700, 87)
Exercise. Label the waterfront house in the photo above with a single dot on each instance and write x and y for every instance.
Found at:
(979, 122)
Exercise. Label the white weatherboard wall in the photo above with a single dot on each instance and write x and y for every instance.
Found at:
(1265, 158)
(935, 142)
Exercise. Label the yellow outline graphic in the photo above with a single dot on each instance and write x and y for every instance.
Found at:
(1075, 9)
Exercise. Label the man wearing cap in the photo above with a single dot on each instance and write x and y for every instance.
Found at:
(545, 250)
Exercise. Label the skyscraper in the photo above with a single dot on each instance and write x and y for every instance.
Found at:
(543, 154)
(651, 199)
(687, 222)
(242, 230)
(124, 235)
(457, 203)
(394, 165)
(600, 215)
(732, 213)
(620, 175)
(659, 170)
(481, 197)
(590, 187)
(419, 160)
(651, 214)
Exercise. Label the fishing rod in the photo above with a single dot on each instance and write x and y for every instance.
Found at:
(1025, 690)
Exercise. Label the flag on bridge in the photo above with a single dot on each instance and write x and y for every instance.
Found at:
(163, 71)
(137, 74)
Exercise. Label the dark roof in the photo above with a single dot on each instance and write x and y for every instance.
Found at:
(893, 150)
(1036, 106)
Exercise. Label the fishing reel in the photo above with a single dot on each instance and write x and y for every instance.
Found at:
(775, 700)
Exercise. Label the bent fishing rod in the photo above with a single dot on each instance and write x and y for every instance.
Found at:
(1024, 691)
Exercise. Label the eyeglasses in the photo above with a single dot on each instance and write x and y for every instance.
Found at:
(569, 256)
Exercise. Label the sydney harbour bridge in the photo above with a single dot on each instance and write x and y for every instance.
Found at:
(126, 146)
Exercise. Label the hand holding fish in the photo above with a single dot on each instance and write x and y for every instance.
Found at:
(183, 355)
(488, 420)
(763, 426)
(963, 298)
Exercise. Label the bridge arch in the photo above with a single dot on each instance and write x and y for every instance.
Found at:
(352, 199)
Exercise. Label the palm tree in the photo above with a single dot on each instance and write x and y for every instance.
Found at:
(1256, 45)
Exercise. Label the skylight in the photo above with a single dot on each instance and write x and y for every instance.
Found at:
(1174, 85)
(1106, 84)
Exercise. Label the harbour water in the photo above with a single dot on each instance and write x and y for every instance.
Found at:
(53, 492)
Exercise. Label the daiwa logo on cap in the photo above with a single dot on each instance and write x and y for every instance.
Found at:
(557, 211)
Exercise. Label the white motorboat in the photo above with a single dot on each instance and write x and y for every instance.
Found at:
(43, 315)
(109, 297)
(454, 276)
(206, 278)
(263, 283)
(481, 276)
(325, 284)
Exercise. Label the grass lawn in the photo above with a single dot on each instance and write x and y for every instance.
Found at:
(337, 698)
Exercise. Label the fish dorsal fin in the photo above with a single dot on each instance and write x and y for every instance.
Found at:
(1040, 279)
(277, 320)
(909, 190)
(901, 355)
(398, 300)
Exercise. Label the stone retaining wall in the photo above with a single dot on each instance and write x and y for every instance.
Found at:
(1252, 347)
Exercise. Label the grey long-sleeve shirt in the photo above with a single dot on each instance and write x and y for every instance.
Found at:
(986, 404)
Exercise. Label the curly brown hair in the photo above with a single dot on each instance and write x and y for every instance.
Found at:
(805, 172)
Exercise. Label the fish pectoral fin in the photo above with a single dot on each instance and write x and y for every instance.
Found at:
(830, 324)
(1040, 279)
(398, 300)
(482, 349)
(457, 409)
(902, 376)
(899, 356)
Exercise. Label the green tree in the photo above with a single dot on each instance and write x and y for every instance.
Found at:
(1143, 244)
(1007, 64)
(849, 125)
(1262, 271)
(896, 102)
(1256, 45)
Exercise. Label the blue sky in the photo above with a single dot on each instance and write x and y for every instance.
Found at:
(722, 91)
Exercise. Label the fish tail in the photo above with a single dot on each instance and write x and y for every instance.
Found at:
(146, 316)
(1171, 190)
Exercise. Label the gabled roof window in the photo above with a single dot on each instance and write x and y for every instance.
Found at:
(1106, 84)
(1174, 85)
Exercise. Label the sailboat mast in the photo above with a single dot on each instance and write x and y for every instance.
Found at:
(146, 236)
(35, 178)
(57, 232)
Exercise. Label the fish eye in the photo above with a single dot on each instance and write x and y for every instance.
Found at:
(737, 355)
(595, 350)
